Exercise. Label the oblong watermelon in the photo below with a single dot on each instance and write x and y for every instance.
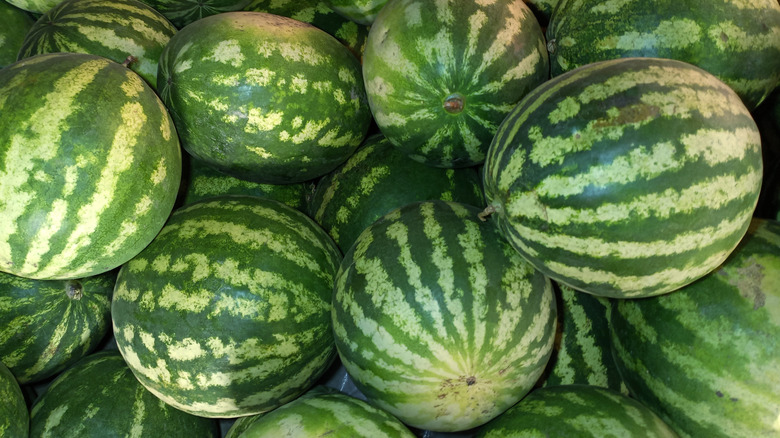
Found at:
(115, 29)
(440, 77)
(438, 320)
(90, 166)
(48, 325)
(378, 178)
(706, 358)
(737, 41)
(227, 312)
(626, 178)
(580, 411)
(262, 97)
(99, 397)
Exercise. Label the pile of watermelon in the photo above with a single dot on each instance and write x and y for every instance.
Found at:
(390, 218)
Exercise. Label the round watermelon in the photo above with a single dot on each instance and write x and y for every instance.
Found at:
(264, 98)
(706, 358)
(438, 320)
(581, 411)
(626, 178)
(99, 397)
(227, 312)
(115, 29)
(440, 77)
(47, 325)
(90, 166)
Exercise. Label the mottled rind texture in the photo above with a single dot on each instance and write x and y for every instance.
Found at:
(360, 11)
(184, 12)
(706, 358)
(90, 165)
(626, 178)
(438, 320)
(14, 417)
(736, 40)
(47, 325)
(115, 29)
(263, 97)
(99, 397)
(440, 76)
(581, 411)
(378, 178)
(324, 413)
(227, 312)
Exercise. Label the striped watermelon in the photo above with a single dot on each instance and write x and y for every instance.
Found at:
(706, 358)
(16, 24)
(377, 179)
(34, 6)
(626, 178)
(736, 40)
(263, 97)
(226, 312)
(201, 181)
(543, 10)
(438, 320)
(327, 412)
(319, 14)
(114, 29)
(99, 397)
(89, 166)
(14, 417)
(580, 411)
(47, 325)
(359, 11)
(582, 353)
(440, 76)
(184, 12)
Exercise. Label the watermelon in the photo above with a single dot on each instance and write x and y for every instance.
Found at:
(440, 76)
(264, 98)
(115, 29)
(706, 358)
(580, 411)
(47, 325)
(184, 12)
(327, 412)
(90, 166)
(319, 14)
(16, 24)
(377, 179)
(34, 6)
(543, 10)
(359, 11)
(226, 312)
(738, 41)
(201, 181)
(99, 397)
(438, 320)
(582, 353)
(14, 417)
(626, 178)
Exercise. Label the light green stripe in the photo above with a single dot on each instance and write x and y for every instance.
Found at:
(675, 34)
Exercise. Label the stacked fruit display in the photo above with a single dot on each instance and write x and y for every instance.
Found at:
(390, 218)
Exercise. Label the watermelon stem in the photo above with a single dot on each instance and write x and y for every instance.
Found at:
(483, 216)
(129, 60)
(74, 290)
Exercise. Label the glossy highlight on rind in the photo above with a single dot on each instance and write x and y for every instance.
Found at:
(90, 166)
(226, 312)
(626, 178)
(438, 320)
